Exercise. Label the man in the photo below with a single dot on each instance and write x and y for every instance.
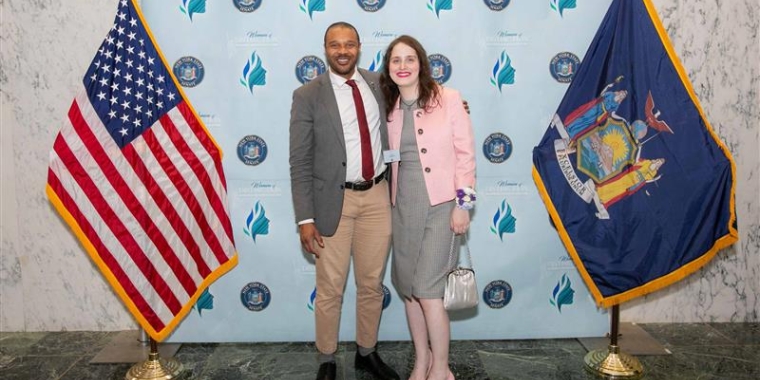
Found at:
(340, 195)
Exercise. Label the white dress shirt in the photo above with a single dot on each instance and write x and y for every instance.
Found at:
(350, 123)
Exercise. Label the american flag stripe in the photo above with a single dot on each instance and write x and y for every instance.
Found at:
(183, 199)
(118, 172)
(184, 210)
(134, 295)
(124, 266)
(187, 233)
(203, 138)
(124, 241)
(204, 169)
(185, 160)
(179, 173)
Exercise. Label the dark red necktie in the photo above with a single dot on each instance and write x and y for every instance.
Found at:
(368, 163)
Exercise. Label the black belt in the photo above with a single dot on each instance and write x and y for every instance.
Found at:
(364, 185)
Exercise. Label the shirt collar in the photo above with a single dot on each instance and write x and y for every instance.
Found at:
(338, 81)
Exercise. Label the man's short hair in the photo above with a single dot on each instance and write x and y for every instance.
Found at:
(342, 24)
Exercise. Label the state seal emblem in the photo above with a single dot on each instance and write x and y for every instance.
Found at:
(189, 71)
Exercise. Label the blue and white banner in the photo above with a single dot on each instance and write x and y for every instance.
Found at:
(239, 62)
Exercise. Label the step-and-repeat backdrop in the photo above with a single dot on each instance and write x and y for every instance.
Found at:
(239, 62)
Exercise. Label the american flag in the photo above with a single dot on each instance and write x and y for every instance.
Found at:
(139, 180)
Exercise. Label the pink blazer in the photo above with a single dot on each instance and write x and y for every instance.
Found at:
(446, 147)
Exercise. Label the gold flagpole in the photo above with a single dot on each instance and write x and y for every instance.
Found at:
(155, 367)
(612, 364)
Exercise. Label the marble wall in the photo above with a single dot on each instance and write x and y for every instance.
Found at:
(47, 282)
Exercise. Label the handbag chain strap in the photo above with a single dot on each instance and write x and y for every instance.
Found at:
(451, 253)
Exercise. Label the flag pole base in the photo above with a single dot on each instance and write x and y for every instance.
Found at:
(155, 368)
(612, 364)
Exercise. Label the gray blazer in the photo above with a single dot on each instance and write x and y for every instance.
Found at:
(318, 150)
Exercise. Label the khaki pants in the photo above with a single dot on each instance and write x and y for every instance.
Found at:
(365, 230)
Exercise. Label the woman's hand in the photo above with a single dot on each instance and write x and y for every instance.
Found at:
(460, 220)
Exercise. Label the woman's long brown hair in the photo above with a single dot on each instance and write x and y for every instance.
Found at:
(429, 95)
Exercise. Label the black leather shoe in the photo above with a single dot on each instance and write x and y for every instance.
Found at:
(327, 371)
(374, 365)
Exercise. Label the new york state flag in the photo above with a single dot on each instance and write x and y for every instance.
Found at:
(636, 181)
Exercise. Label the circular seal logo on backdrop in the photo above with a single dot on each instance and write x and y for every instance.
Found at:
(188, 71)
(563, 66)
(440, 68)
(255, 296)
(247, 5)
(371, 5)
(308, 68)
(386, 297)
(252, 150)
(497, 294)
(497, 147)
(496, 5)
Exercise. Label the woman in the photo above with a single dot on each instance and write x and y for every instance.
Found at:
(430, 129)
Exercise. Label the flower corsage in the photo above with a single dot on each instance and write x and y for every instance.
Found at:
(466, 198)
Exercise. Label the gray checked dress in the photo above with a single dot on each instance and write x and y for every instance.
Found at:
(421, 233)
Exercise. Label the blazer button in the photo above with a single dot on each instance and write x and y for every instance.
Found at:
(427, 170)
(419, 131)
(342, 187)
(423, 150)
(344, 164)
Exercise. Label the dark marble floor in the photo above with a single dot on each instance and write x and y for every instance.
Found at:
(699, 351)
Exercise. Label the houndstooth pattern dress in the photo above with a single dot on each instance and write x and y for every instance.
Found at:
(421, 233)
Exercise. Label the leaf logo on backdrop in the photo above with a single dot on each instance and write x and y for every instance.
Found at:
(503, 221)
(254, 74)
(608, 148)
(436, 6)
(311, 6)
(377, 63)
(205, 301)
(312, 297)
(561, 5)
(257, 222)
(191, 7)
(503, 72)
(563, 293)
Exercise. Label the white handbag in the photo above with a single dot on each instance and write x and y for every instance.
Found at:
(461, 291)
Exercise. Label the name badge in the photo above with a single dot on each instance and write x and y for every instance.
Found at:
(391, 156)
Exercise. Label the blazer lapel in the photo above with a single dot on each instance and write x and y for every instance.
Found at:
(330, 104)
(375, 89)
(377, 93)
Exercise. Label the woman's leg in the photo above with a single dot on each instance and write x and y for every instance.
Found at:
(437, 320)
(419, 330)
